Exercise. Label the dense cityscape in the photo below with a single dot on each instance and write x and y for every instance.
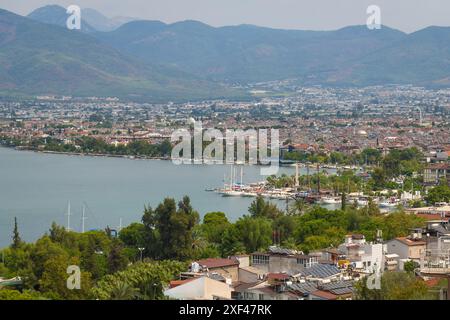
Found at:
(313, 119)
(389, 199)
(226, 161)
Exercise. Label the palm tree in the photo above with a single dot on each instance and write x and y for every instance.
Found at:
(198, 240)
(298, 207)
(123, 291)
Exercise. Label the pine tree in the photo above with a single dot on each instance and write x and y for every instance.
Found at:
(17, 241)
(343, 201)
(116, 259)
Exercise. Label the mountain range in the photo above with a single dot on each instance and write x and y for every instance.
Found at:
(91, 20)
(191, 60)
(38, 58)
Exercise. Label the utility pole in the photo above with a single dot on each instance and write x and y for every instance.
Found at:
(141, 250)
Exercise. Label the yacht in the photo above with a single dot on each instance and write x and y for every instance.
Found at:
(330, 200)
(389, 203)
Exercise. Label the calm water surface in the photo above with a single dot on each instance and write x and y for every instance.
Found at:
(36, 188)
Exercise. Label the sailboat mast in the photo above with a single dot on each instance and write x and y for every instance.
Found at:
(68, 216)
(242, 176)
(224, 181)
(83, 218)
(231, 178)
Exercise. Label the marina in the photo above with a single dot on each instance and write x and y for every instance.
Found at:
(232, 188)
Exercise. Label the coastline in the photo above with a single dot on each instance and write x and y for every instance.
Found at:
(312, 166)
(82, 154)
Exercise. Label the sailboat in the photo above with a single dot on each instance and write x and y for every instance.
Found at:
(83, 217)
(231, 190)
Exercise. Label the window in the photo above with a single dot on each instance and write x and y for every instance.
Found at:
(248, 296)
(261, 296)
(308, 262)
(260, 259)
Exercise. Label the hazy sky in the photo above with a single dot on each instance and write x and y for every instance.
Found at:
(406, 15)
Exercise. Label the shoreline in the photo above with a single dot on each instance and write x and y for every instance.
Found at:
(81, 154)
(137, 157)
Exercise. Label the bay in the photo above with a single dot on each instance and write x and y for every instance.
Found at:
(36, 188)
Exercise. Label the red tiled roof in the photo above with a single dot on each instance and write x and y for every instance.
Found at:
(217, 263)
(439, 166)
(428, 216)
(410, 242)
(277, 276)
(433, 282)
(325, 295)
(176, 283)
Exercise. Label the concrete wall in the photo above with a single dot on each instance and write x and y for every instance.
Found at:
(404, 251)
(202, 288)
(248, 276)
(397, 247)
(231, 272)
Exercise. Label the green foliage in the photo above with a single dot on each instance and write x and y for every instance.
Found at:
(8, 294)
(394, 286)
(17, 241)
(143, 281)
(411, 266)
(54, 279)
(133, 236)
(49, 65)
(379, 178)
(367, 156)
(260, 208)
(168, 231)
(214, 226)
(98, 146)
(117, 260)
(255, 233)
(171, 231)
(231, 242)
(439, 193)
(43, 265)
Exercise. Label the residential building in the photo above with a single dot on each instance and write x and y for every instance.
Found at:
(365, 257)
(391, 262)
(411, 247)
(227, 268)
(201, 288)
(278, 260)
(435, 173)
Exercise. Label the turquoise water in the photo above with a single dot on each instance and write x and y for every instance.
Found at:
(36, 188)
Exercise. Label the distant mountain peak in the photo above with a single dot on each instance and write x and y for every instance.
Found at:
(57, 15)
(102, 23)
(44, 59)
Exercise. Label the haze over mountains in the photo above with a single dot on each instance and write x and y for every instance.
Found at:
(191, 60)
(39, 59)
(92, 20)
